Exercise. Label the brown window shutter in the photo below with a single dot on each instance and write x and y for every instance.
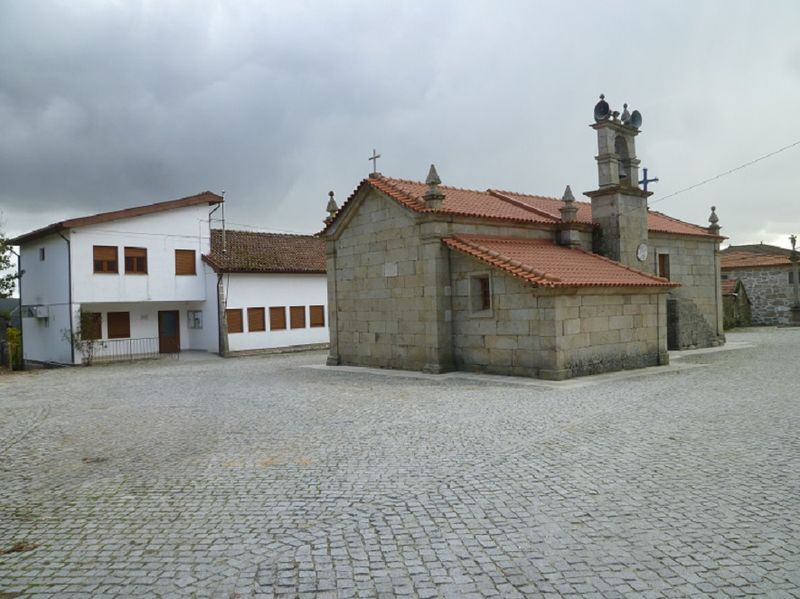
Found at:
(255, 319)
(135, 260)
(105, 258)
(91, 326)
(119, 325)
(316, 316)
(234, 317)
(184, 262)
(277, 318)
(297, 317)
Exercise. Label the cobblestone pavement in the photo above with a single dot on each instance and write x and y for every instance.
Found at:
(261, 477)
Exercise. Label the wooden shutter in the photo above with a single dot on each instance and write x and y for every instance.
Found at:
(119, 325)
(135, 260)
(255, 319)
(105, 258)
(234, 317)
(316, 316)
(277, 318)
(184, 262)
(91, 325)
(297, 317)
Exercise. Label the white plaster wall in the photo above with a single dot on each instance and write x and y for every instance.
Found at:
(46, 283)
(144, 319)
(161, 233)
(265, 290)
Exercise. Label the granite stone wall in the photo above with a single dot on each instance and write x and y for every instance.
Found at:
(771, 295)
(696, 315)
(542, 333)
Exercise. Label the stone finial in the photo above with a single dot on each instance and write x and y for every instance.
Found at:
(332, 208)
(626, 116)
(568, 211)
(794, 257)
(713, 219)
(433, 197)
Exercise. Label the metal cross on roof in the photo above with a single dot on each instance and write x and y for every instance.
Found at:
(374, 159)
(645, 180)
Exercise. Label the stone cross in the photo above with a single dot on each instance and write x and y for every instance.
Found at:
(374, 159)
(645, 180)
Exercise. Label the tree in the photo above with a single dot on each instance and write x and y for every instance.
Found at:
(7, 279)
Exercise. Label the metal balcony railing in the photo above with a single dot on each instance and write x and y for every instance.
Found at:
(121, 350)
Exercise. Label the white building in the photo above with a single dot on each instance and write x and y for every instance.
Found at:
(140, 283)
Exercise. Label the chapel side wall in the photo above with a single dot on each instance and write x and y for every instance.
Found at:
(697, 304)
(604, 332)
(553, 334)
(517, 336)
(384, 311)
(771, 295)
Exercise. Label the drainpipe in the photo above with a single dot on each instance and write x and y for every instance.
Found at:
(69, 290)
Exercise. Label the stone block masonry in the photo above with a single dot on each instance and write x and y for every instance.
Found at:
(770, 292)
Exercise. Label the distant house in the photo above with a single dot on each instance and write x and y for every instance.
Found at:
(766, 273)
(735, 304)
(275, 288)
(140, 282)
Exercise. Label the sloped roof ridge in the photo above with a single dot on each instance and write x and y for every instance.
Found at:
(677, 220)
(504, 197)
(537, 196)
(237, 231)
(656, 279)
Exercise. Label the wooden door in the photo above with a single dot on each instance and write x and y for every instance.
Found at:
(169, 332)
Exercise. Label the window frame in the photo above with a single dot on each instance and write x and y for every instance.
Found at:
(250, 320)
(312, 323)
(105, 263)
(41, 254)
(95, 320)
(134, 258)
(112, 333)
(480, 294)
(275, 310)
(296, 310)
(663, 265)
(228, 313)
(194, 262)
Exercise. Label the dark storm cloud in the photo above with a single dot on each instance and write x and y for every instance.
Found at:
(110, 104)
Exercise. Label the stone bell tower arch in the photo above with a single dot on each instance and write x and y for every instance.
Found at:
(619, 206)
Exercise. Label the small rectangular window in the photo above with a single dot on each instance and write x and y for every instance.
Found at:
(135, 261)
(663, 266)
(185, 262)
(277, 318)
(41, 254)
(791, 278)
(480, 293)
(234, 318)
(316, 316)
(255, 319)
(105, 259)
(119, 325)
(297, 317)
(91, 326)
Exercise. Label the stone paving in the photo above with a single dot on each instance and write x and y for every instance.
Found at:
(263, 476)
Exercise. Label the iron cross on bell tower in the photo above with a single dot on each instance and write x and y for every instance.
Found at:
(645, 180)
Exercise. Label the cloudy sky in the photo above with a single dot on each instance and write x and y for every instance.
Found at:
(108, 104)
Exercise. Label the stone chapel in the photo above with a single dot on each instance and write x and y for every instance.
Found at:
(424, 276)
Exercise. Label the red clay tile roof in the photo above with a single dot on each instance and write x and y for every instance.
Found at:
(729, 286)
(507, 205)
(545, 264)
(754, 255)
(252, 252)
(205, 197)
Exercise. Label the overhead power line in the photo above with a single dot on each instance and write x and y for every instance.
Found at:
(728, 172)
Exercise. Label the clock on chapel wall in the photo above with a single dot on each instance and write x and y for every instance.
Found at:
(641, 252)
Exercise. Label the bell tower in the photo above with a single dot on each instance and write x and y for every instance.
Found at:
(619, 206)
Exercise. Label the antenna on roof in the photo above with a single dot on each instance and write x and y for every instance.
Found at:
(224, 245)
